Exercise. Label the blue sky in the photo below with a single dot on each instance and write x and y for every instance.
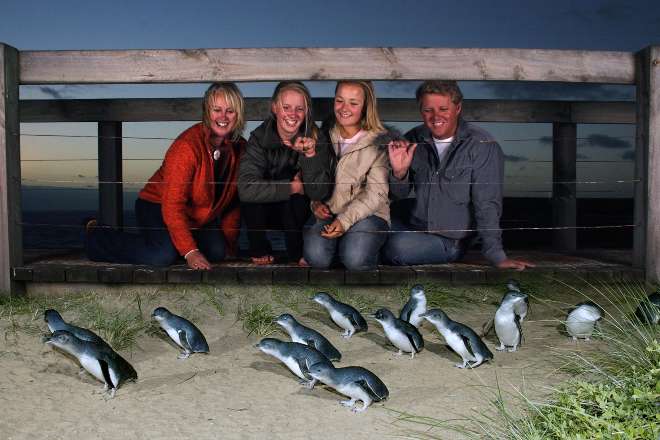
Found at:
(560, 24)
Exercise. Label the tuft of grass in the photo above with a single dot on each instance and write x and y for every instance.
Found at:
(211, 297)
(257, 318)
(119, 328)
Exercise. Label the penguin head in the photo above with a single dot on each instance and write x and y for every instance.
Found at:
(513, 285)
(417, 292)
(269, 345)
(322, 298)
(514, 296)
(160, 313)
(285, 320)
(53, 317)
(383, 315)
(63, 340)
(320, 370)
(435, 316)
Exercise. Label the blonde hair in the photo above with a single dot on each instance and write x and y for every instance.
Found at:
(234, 98)
(370, 119)
(296, 86)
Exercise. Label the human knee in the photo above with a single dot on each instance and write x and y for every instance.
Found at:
(317, 256)
(359, 261)
(163, 257)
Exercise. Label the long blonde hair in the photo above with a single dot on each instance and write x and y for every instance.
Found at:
(234, 98)
(310, 128)
(369, 119)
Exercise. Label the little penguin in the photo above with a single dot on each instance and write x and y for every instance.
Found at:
(305, 335)
(355, 382)
(461, 338)
(401, 334)
(183, 332)
(648, 310)
(55, 322)
(296, 356)
(582, 319)
(99, 360)
(415, 306)
(342, 314)
(508, 318)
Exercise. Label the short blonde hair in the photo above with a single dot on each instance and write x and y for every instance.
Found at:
(234, 98)
(296, 86)
(370, 119)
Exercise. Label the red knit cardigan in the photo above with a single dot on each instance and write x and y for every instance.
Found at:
(184, 186)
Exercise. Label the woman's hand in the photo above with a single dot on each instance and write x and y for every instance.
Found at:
(305, 145)
(197, 261)
(297, 185)
(321, 210)
(333, 230)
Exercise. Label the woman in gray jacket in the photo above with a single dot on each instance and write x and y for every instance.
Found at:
(286, 165)
(353, 223)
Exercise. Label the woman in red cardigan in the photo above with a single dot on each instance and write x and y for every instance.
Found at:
(190, 206)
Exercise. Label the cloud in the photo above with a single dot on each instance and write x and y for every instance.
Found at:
(608, 142)
(513, 158)
(628, 155)
(550, 91)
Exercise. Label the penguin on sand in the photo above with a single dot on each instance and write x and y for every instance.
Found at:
(648, 310)
(508, 318)
(581, 320)
(305, 335)
(297, 357)
(461, 338)
(99, 360)
(55, 322)
(415, 306)
(401, 334)
(355, 382)
(183, 332)
(342, 314)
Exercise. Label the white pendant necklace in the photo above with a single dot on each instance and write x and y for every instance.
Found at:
(216, 154)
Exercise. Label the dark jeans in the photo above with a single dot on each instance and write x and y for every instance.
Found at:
(152, 245)
(289, 216)
(357, 249)
(417, 247)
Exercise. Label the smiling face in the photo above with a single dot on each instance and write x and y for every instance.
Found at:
(222, 117)
(290, 112)
(349, 107)
(440, 115)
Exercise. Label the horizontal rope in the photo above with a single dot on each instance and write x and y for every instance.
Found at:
(441, 231)
(91, 159)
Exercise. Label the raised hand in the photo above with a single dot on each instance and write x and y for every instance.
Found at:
(305, 145)
(321, 210)
(400, 153)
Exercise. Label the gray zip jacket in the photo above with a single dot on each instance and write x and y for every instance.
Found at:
(460, 194)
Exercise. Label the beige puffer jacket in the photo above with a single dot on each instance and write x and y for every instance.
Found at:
(361, 184)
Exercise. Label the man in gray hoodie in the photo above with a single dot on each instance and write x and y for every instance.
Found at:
(450, 172)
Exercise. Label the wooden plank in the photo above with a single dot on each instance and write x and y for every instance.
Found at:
(473, 276)
(275, 64)
(11, 241)
(320, 277)
(255, 275)
(22, 274)
(396, 275)
(111, 189)
(366, 277)
(82, 274)
(564, 188)
(116, 274)
(390, 109)
(220, 275)
(183, 275)
(149, 275)
(427, 274)
(290, 275)
(647, 164)
(48, 273)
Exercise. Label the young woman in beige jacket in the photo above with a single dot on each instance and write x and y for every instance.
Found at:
(353, 223)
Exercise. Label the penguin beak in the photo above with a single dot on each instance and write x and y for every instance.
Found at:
(45, 339)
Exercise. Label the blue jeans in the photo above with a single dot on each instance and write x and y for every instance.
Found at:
(152, 245)
(418, 247)
(357, 249)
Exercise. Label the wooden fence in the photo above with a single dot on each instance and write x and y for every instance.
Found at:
(184, 66)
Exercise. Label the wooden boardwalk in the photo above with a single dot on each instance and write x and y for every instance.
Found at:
(71, 267)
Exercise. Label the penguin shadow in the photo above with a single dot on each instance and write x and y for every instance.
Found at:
(442, 350)
(321, 392)
(314, 317)
(68, 367)
(170, 380)
(378, 340)
(270, 367)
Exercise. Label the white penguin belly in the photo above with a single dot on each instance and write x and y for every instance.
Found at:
(292, 365)
(296, 338)
(506, 329)
(457, 344)
(341, 320)
(172, 333)
(579, 324)
(415, 319)
(398, 339)
(353, 391)
(93, 367)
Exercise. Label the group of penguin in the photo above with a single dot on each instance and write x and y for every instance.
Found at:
(310, 355)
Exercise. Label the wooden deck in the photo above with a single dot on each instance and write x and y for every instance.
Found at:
(72, 267)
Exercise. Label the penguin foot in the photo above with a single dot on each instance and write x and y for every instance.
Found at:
(398, 353)
(357, 409)
(184, 355)
(309, 384)
(459, 365)
(500, 348)
(348, 403)
(512, 349)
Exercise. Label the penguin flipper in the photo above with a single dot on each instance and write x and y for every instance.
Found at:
(105, 370)
(183, 337)
(302, 364)
(406, 312)
(416, 340)
(358, 321)
(487, 327)
(373, 386)
(468, 345)
(516, 319)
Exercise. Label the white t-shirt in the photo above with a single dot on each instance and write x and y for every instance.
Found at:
(442, 145)
(343, 144)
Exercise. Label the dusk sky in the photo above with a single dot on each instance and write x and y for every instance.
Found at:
(560, 24)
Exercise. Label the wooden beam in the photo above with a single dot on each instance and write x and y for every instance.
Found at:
(11, 238)
(111, 209)
(564, 176)
(275, 64)
(403, 110)
(646, 244)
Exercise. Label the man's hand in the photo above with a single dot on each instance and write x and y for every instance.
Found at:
(333, 230)
(305, 145)
(196, 260)
(400, 153)
(297, 185)
(515, 264)
(321, 210)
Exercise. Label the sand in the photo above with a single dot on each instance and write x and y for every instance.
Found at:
(237, 392)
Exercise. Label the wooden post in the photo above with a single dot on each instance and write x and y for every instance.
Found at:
(11, 234)
(111, 210)
(564, 175)
(646, 250)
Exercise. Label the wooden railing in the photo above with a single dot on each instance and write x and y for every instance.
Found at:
(184, 66)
